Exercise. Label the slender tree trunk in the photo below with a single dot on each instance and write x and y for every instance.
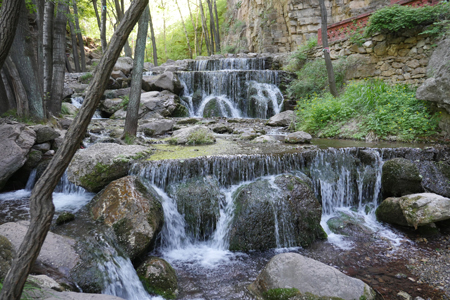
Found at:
(131, 120)
(68, 66)
(9, 18)
(47, 34)
(76, 59)
(326, 52)
(198, 43)
(103, 27)
(212, 27)
(97, 15)
(59, 59)
(193, 27)
(164, 28)
(185, 31)
(9, 93)
(40, 4)
(80, 38)
(41, 205)
(19, 89)
(217, 26)
(205, 29)
(119, 10)
(155, 52)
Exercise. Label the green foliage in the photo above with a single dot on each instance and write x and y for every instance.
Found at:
(64, 109)
(300, 56)
(29, 286)
(281, 294)
(12, 114)
(396, 18)
(200, 137)
(357, 35)
(386, 110)
(86, 77)
(124, 103)
(129, 139)
(313, 78)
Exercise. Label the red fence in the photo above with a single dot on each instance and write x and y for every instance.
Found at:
(342, 30)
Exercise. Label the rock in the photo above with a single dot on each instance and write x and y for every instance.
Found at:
(57, 253)
(158, 277)
(198, 199)
(43, 281)
(222, 129)
(163, 103)
(33, 159)
(298, 137)
(414, 209)
(7, 253)
(124, 64)
(69, 108)
(284, 118)
(16, 141)
(380, 49)
(148, 66)
(216, 108)
(265, 139)
(118, 74)
(64, 217)
(44, 147)
(435, 177)
(133, 211)
(95, 167)
(195, 135)
(110, 106)
(166, 81)
(292, 270)
(45, 133)
(156, 127)
(67, 92)
(400, 177)
(77, 296)
(291, 199)
(404, 295)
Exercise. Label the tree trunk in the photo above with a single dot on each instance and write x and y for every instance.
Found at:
(217, 26)
(131, 120)
(155, 52)
(193, 27)
(198, 44)
(80, 38)
(9, 18)
(9, 93)
(103, 28)
(47, 34)
(68, 66)
(97, 15)
(19, 89)
(326, 52)
(41, 205)
(59, 59)
(185, 31)
(24, 58)
(212, 27)
(164, 28)
(205, 29)
(40, 4)
(76, 60)
(120, 10)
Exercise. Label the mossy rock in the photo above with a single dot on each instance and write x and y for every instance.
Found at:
(158, 277)
(65, 217)
(391, 212)
(180, 111)
(400, 177)
(216, 108)
(7, 253)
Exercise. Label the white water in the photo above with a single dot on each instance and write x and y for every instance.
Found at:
(227, 108)
(78, 101)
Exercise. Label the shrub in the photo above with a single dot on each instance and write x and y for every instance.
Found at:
(200, 137)
(313, 78)
(299, 57)
(396, 18)
(380, 108)
(85, 78)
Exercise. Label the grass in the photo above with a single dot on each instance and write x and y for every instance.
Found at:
(200, 137)
(300, 56)
(375, 106)
(86, 78)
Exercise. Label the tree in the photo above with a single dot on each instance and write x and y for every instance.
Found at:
(131, 120)
(80, 38)
(205, 29)
(41, 205)
(9, 18)
(103, 29)
(185, 30)
(47, 37)
(120, 8)
(152, 32)
(76, 59)
(326, 52)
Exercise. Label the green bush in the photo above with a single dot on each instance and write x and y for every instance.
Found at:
(376, 106)
(86, 77)
(299, 57)
(200, 137)
(313, 79)
(396, 18)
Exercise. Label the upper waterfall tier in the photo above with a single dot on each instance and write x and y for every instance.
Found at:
(263, 63)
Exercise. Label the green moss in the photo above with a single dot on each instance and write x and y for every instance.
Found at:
(200, 137)
(281, 294)
(180, 112)
(188, 121)
(65, 217)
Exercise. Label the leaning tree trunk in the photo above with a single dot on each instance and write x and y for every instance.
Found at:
(76, 60)
(41, 205)
(59, 59)
(131, 120)
(9, 18)
(185, 31)
(80, 38)
(47, 34)
(9, 93)
(103, 28)
(152, 32)
(19, 89)
(326, 50)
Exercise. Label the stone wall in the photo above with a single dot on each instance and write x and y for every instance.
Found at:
(282, 25)
(392, 58)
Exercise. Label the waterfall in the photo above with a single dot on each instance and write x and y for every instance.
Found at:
(231, 87)
(31, 180)
(78, 101)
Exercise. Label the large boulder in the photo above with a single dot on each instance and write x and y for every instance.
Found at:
(7, 253)
(45, 133)
(166, 81)
(16, 141)
(156, 127)
(95, 167)
(195, 135)
(158, 277)
(198, 199)
(133, 211)
(216, 107)
(124, 64)
(287, 203)
(110, 106)
(57, 255)
(414, 209)
(284, 118)
(298, 137)
(294, 271)
(400, 177)
(164, 103)
(435, 176)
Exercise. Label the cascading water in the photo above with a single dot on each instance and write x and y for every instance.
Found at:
(231, 87)
(78, 101)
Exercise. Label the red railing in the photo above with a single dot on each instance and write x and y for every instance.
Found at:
(342, 30)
